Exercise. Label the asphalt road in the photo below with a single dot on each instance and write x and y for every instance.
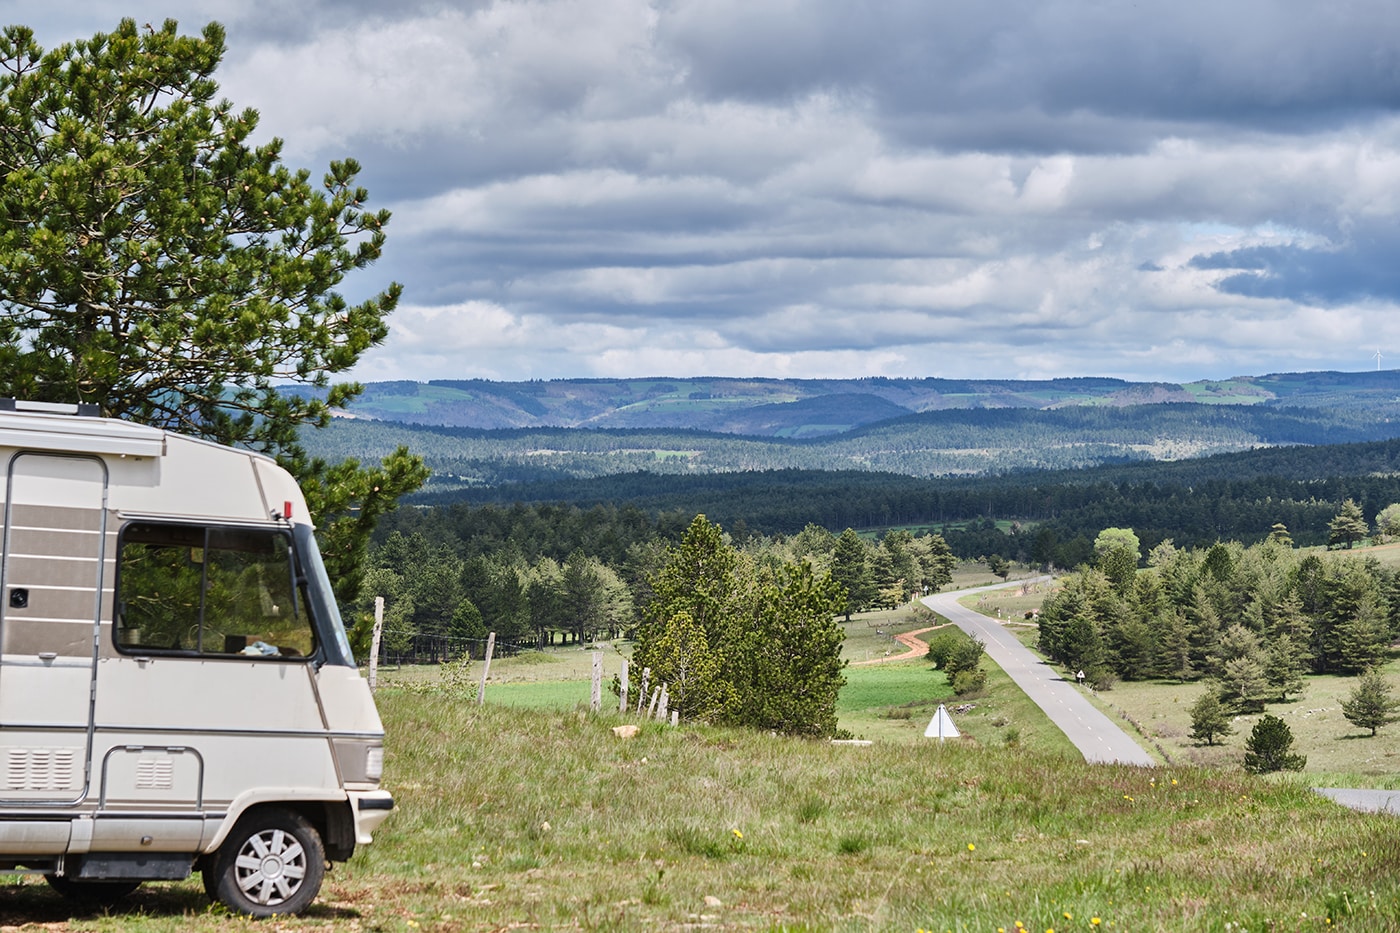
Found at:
(1378, 801)
(1098, 737)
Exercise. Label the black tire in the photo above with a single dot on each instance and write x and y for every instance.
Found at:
(272, 863)
(93, 893)
(205, 866)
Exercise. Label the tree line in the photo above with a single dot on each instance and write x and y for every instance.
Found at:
(1033, 517)
(555, 574)
(1253, 620)
(959, 442)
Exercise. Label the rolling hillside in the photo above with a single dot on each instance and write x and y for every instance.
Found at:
(959, 442)
(801, 408)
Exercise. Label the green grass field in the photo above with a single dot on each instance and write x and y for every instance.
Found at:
(528, 813)
(536, 819)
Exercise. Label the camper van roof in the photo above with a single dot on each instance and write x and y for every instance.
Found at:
(74, 429)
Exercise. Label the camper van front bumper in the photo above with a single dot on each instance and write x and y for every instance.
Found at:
(371, 809)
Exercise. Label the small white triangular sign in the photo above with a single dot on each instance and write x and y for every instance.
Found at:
(941, 725)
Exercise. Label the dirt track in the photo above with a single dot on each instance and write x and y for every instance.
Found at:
(911, 640)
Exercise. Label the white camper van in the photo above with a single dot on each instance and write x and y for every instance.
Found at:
(176, 689)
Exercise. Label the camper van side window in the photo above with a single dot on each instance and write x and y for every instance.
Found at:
(210, 590)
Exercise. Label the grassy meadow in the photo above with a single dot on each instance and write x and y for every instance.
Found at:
(529, 813)
(544, 819)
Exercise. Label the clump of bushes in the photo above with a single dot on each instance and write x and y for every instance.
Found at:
(958, 655)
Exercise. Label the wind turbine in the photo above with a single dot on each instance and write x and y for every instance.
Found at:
(1378, 361)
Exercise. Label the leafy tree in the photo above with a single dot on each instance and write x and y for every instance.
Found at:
(1371, 703)
(1116, 553)
(1268, 747)
(1210, 719)
(1348, 526)
(1388, 520)
(156, 264)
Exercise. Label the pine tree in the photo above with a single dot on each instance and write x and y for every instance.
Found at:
(1243, 684)
(751, 644)
(1268, 747)
(936, 562)
(1283, 667)
(1348, 526)
(1362, 641)
(682, 658)
(789, 666)
(155, 263)
(1209, 718)
(850, 568)
(1371, 703)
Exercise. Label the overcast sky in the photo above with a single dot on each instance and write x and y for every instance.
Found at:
(1020, 189)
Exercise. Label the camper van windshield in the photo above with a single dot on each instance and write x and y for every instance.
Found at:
(210, 590)
(335, 647)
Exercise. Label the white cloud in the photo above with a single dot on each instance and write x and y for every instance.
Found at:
(814, 187)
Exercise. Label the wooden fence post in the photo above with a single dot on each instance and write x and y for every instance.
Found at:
(485, 667)
(642, 693)
(622, 694)
(374, 643)
(595, 699)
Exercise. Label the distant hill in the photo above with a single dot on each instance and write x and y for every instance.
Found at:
(967, 442)
(808, 408)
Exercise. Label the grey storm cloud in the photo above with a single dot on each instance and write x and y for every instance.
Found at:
(825, 188)
(1362, 270)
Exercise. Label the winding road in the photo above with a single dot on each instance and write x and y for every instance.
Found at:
(1099, 738)
(1096, 736)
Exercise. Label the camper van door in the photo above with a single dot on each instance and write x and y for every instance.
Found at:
(51, 595)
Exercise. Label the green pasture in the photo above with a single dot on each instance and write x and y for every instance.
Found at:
(538, 816)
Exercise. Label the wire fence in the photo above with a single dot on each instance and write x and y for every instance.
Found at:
(400, 646)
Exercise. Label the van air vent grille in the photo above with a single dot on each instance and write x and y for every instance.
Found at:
(40, 769)
(155, 774)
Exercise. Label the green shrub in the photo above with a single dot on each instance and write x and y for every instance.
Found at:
(1267, 748)
(965, 682)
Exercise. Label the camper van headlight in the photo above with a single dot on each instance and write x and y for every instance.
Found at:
(361, 760)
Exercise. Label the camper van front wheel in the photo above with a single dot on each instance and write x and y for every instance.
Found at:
(272, 863)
